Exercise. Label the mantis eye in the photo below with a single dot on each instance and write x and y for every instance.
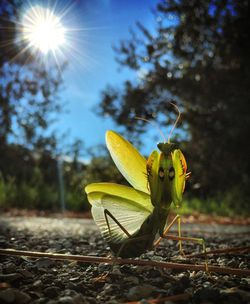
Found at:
(171, 173)
(161, 173)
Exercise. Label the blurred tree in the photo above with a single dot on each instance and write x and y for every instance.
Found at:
(28, 90)
(198, 55)
(78, 174)
(28, 106)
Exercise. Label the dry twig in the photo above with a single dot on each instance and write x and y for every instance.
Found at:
(94, 259)
(244, 249)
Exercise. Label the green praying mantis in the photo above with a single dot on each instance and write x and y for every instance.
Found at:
(130, 218)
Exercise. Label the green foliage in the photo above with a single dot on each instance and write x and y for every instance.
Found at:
(27, 196)
(7, 191)
(29, 180)
(102, 169)
(198, 55)
(47, 198)
(37, 187)
(224, 204)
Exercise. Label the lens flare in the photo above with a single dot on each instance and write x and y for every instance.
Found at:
(42, 30)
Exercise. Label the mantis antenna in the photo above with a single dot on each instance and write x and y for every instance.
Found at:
(158, 128)
(153, 124)
(176, 121)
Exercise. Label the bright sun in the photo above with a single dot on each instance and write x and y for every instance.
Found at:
(42, 30)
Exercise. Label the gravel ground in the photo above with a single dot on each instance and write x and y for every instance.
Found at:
(24, 280)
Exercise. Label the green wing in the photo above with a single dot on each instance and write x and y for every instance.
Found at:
(128, 160)
(129, 206)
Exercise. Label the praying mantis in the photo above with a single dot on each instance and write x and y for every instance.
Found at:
(130, 218)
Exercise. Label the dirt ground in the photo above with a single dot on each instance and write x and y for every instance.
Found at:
(42, 280)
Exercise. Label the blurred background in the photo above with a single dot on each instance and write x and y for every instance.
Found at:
(70, 70)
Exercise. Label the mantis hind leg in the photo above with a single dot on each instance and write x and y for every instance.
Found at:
(179, 238)
(108, 213)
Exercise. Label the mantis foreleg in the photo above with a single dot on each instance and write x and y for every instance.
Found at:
(157, 242)
(180, 238)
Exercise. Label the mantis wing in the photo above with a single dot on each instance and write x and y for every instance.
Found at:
(128, 160)
(129, 206)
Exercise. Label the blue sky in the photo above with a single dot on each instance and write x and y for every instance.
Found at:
(99, 24)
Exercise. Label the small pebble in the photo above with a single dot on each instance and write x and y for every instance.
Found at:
(132, 280)
(9, 268)
(71, 285)
(25, 273)
(11, 277)
(44, 263)
(45, 281)
(206, 294)
(52, 291)
(139, 292)
(10, 296)
(7, 296)
(37, 283)
(66, 300)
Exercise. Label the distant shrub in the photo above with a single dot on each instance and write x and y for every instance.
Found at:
(48, 198)
(26, 196)
(8, 191)
(36, 186)
(230, 203)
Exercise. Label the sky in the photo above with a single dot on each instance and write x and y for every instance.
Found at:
(94, 27)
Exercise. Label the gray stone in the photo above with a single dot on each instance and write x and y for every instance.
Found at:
(167, 286)
(47, 278)
(140, 292)
(207, 295)
(44, 263)
(9, 268)
(70, 293)
(108, 288)
(14, 296)
(79, 299)
(37, 283)
(66, 300)
(7, 296)
(71, 285)
(51, 291)
(132, 280)
(236, 295)
(25, 273)
(233, 263)
(11, 277)
(21, 297)
(74, 279)
(116, 271)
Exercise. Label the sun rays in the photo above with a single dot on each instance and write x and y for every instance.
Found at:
(42, 30)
